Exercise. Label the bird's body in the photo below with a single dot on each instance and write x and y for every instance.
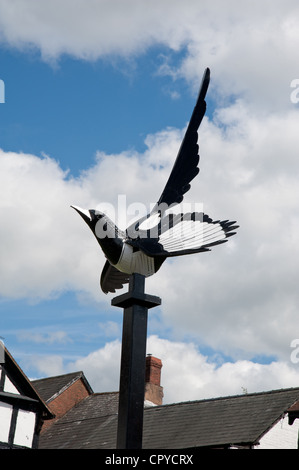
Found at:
(137, 261)
(121, 254)
(144, 246)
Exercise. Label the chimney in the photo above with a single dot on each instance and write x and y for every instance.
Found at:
(153, 389)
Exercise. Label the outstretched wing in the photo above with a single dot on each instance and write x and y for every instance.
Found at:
(112, 278)
(185, 167)
(182, 234)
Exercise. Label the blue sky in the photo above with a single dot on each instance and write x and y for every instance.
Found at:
(73, 108)
(97, 98)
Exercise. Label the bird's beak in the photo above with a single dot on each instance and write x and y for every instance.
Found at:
(85, 214)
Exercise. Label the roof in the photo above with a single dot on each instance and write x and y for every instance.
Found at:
(239, 420)
(49, 388)
(91, 424)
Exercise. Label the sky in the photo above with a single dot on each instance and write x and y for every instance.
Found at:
(95, 98)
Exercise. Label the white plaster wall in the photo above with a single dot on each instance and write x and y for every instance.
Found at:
(281, 436)
(24, 428)
(9, 386)
(5, 418)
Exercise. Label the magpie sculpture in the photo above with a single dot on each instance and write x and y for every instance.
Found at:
(144, 246)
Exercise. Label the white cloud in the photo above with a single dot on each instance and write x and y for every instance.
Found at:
(244, 295)
(189, 375)
(84, 29)
(101, 367)
(45, 247)
(186, 373)
(39, 231)
(110, 329)
(241, 298)
(47, 366)
(251, 48)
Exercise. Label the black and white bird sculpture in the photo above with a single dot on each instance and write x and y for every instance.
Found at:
(145, 245)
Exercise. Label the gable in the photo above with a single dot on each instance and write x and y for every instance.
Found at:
(281, 436)
(18, 415)
(21, 409)
(51, 387)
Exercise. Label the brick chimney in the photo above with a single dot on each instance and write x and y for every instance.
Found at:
(153, 389)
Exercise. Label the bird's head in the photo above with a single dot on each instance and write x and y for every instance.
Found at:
(91, 217)
(105, 232)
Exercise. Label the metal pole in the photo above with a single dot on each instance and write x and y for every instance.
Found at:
(132, 371)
